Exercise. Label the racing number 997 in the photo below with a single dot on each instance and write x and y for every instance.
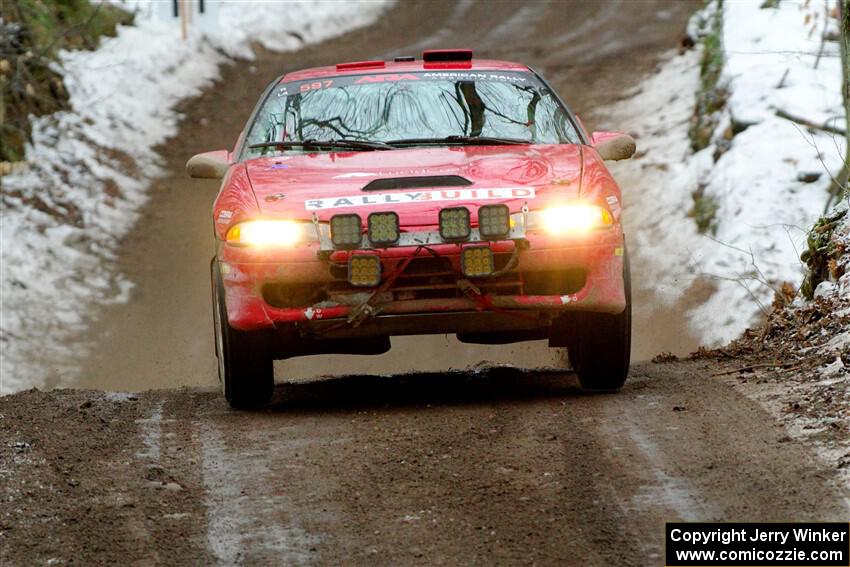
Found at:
(306, 87)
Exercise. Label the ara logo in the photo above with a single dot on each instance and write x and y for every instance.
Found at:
(500, 193)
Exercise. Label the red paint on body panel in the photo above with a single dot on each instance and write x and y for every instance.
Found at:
(306, 186)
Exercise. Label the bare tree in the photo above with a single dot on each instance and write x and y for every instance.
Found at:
(844, 17)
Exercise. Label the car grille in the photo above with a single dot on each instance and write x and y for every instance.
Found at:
(425, 278)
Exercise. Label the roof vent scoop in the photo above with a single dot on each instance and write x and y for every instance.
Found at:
(359, 65)
(421, 182)
(446, 55)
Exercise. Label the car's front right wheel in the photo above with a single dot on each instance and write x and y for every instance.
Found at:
(245, 368)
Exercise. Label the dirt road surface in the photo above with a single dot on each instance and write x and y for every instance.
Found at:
(491, 468)
(379, 465)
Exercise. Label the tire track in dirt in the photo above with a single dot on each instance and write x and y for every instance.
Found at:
(496, 467)
(89, 483)
(237, 523)
(491, 467)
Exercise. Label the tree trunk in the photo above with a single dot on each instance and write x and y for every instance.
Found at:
(844, 15)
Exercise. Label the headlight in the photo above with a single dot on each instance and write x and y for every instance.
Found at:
(454, 223)
(494, 221)
(383, 228)
(364, 270)
(270, 233)
(477, 261)
(346, 230)
(566, 219)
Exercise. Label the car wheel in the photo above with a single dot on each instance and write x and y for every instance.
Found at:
(601, 347)
(245, 369)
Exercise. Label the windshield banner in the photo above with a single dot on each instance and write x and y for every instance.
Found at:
(307, 85)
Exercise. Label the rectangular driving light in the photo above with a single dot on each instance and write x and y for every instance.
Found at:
(364, 270)
(346, 231)
(477, 261)
(454, 223)
(383, 228)
(494, 221)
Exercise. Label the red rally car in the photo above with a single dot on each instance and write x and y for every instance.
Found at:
(416, 196)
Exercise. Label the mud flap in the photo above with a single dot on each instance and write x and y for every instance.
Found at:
(563, 332)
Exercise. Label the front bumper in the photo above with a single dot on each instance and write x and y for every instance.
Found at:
(597, 256)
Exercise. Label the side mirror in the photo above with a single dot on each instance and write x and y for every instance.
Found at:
(613, 146)
(208, 165)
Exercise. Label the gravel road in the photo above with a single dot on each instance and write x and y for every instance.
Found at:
(499, 467)
(398, 459)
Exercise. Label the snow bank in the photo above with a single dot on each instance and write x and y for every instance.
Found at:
(765, 210)
(89, 168)
(657, 182)
(752, 170)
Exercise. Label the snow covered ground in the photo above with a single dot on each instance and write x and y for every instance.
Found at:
(89, 168)
(764, 209)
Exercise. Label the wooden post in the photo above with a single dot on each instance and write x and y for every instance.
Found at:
(183, 18)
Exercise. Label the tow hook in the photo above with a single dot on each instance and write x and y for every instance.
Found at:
(469, 289)
(361, 313)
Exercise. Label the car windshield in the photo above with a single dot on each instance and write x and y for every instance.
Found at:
(409, 109)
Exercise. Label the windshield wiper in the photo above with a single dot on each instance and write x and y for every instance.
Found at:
(311, 143)
(463, 140)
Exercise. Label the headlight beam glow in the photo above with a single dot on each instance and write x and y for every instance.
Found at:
(575, 218)
(266, 233)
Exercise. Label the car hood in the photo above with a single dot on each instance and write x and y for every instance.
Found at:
(299, 185)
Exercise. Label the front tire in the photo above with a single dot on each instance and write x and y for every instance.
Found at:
(601, 348)
(245, 368)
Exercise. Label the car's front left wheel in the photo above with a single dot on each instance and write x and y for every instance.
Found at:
(600, 351)
(245, 368)
(599, 344)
